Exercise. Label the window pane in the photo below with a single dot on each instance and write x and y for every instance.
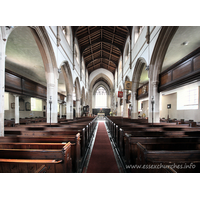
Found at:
(101, 98)
(36, 104)
(6, 101)
(187, 98)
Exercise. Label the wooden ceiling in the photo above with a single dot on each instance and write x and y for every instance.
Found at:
(101, 46)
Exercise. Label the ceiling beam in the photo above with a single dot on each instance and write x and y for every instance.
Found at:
(90, 43)
(101, 65)
(121, 36)
(85, 35)
(101, 51)
(101, 58)
(113, 37)
(119, 47)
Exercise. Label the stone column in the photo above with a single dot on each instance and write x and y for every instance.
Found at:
(118, 107)
(16, 109)
(52, 91)
(90, 102)
(61, 107)
(69, 107)
(134, 110)
(2, 79)
(78, 107)
(112, 101)
(153, 94)
(125, 105)
(109, 101)
(81, 69)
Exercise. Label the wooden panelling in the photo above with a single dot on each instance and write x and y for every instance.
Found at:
(165, 78)
(29, 86)
(21, 85)
(41, 90)
(182, 70)
(185, 71)
(196, 63)
(33, 89)
(12, 80)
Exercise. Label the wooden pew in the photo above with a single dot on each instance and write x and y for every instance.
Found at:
(28, 160)
(157, 142)
(150, 131)
(9, 123)
(42, 169)
(29, 165)
(42, 131)
(86, 130)
(56, 131)
(119, 131)
(181, 160)
(73, 139)
(24, 121)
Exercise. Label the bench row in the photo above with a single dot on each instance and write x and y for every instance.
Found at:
(25, 138)
(165, 139)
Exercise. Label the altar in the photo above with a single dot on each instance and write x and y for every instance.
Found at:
(101, 114)
(101, 111)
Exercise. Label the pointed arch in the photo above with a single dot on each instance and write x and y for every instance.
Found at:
(160, 49)
(44, 44)
(141, 62)
(67, 76)
(83, 95)
(77, 88)
(86, 100)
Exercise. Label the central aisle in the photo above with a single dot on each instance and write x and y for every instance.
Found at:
(102, 159)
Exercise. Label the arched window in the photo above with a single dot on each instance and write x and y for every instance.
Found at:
(67, 33)
(101, 98)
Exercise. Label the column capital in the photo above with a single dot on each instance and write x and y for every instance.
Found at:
(51, 85)
(155, 83)
(134, 93)
(60, 101)
(16, 95)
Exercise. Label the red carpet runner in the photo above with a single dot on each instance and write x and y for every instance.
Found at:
(102, 159)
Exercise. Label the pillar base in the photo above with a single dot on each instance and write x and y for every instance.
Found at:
(1, 124)
(134, 115)
(69, 116)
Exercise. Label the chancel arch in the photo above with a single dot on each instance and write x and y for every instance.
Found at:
(104, 91)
